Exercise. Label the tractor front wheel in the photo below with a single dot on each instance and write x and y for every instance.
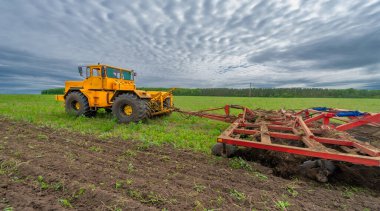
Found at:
(129, 108)
(76, 103)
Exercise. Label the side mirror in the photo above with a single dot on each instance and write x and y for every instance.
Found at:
(134, 74)
(80, 71)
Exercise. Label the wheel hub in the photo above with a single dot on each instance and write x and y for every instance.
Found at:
(77, 106)
(127, 110)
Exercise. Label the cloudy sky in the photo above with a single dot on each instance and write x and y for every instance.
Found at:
(331, 44)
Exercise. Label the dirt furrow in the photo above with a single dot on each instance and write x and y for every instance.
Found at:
(59, 169)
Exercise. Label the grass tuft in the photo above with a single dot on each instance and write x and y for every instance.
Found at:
(282, 205)
(239, 196)
(65, 203)
(95, 149)
(199, 188)
(239, 163)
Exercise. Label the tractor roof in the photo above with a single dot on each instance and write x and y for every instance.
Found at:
(92, 65)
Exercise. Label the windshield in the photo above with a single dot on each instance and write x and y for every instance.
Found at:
(115, 73)
(127, 75)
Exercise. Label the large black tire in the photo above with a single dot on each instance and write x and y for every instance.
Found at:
(149, 108)
(217, 150)
(138, 109)
(76, 103)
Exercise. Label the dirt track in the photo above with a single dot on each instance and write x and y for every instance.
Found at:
(42, 168)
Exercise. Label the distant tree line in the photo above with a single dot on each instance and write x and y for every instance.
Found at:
(55, 91)
(261, 92)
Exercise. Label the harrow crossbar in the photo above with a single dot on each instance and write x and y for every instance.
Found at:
(308, 132)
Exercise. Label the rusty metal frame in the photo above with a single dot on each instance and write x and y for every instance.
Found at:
(308, 128)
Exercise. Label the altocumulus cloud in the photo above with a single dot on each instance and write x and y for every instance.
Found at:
(333, 44)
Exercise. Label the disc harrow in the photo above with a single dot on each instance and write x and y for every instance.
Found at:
(316, 132)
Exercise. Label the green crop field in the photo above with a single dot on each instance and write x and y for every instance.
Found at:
(194, 133)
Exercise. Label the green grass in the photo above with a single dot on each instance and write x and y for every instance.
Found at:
(282, 205)
(237, 195)
(194, 133)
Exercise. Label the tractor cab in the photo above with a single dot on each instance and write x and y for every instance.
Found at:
(107, 77)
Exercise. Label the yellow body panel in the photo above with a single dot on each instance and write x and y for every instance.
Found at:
(60, 98)
(100, 89)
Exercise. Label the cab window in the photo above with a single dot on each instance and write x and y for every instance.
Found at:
(95, 72)
(127, 75)
(113, 73)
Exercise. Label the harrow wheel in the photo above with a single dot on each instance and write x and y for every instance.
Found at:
(218, 150)
(129, 108)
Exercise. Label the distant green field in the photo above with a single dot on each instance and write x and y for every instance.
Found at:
(194, 133)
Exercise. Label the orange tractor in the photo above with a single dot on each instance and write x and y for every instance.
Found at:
(113, 89)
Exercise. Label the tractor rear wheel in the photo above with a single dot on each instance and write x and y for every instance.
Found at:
(129, 108)
(149, 108)
(76, 103)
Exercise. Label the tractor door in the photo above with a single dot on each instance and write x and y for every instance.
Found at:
(95, 80)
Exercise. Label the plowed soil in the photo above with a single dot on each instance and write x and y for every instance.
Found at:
(46, 169)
